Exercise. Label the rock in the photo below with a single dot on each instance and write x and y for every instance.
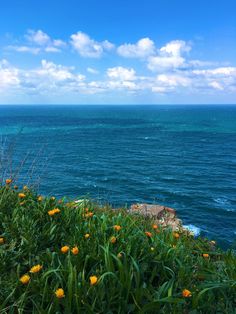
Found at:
(164, 216)
(147, 209)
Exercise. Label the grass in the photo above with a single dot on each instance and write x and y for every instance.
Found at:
(114, 270)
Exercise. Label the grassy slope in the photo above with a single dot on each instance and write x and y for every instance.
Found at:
(136, 274)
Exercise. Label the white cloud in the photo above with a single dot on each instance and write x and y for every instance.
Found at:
(175, 48)
(158, 63)
(121, 73)
(223, 71)
(55, 80)
(38, 41)
(88, 47)
(169, 57)
(173, 80)
(216, 85)
(159, 89)
(9, 76)
(143, 48)
(38, 37)
(33, 50)
(92, 70)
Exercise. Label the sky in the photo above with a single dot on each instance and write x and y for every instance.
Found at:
(118, 52)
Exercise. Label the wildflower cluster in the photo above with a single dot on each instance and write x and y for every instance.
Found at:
(96, 260)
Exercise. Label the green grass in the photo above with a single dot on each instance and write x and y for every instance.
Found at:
(136, 274)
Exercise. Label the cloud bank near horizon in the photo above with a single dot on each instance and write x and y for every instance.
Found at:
(133, 69)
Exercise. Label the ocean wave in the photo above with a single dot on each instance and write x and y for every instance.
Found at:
(195, 230)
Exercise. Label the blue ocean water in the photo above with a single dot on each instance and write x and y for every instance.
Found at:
(180, 156)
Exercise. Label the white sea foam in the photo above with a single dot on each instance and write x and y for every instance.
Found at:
(195, 230)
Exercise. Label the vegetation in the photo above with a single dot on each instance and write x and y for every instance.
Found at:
(62, 257)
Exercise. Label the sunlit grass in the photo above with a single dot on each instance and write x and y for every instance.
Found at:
(61, 257)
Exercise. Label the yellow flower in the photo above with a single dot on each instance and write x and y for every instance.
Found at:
(22, 203)
(186, 293)
(75, 250)
(21, 195)
(148, 234)
(53, 198)
(152, 249)
(113, 240)
(87, 235)
(25, 188)
(36, 269)
(176, 235)
(205, 255)
(213, 242)
(117, 228)
(65, 249)
(25, 279)
(60, 293)
(2, 240)
(53, 211)
(93, 280)
(40, 198)
(154, 226)
(8, 181)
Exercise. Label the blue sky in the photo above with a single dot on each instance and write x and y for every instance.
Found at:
(153, 51)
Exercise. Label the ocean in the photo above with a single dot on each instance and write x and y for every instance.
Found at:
(180, 156)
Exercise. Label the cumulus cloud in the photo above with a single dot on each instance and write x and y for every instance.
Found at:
(169, 57)
(88, 47)
(56, 79)
(174, 80)
(143, 48)
(38, 41)
(9, 76)
(121, 73)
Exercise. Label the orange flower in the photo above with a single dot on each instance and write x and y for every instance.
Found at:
(86, 209)
(117, 227)
(21, 195)
(2, 240)
(93, 280)
(89, 214)
(148, 234)
(75, 250)
(154, 226)
(60, 293)
(186, 293)
(176, 235)
(25, 279)
(53, 211)
(113, 240)
(65, 249)
(15, 187)
(205, 255)
(36, 269)
(87, 235)
(8, 181)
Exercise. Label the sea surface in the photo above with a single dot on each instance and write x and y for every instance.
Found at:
(180, 156)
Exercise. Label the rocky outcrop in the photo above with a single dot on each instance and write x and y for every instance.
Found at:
(162, 215)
